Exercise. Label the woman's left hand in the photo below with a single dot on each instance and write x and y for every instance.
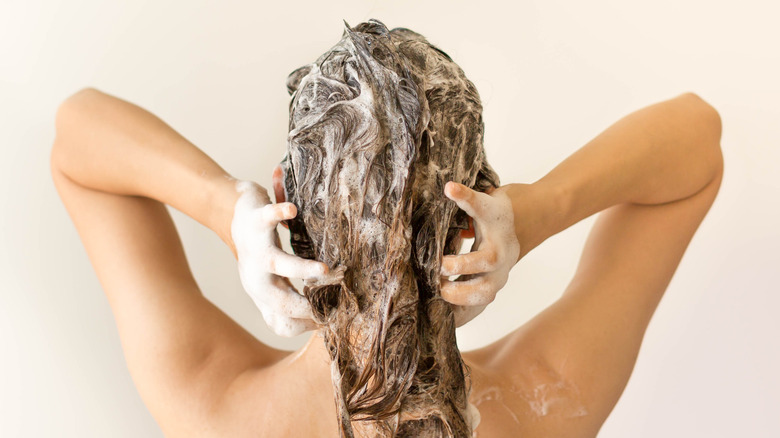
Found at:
(264, 268)
(484, 270)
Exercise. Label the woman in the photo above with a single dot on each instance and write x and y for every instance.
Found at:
(653, 175)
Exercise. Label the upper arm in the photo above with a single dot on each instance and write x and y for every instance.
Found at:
(629, 258)
(181, 350)
(590, 338)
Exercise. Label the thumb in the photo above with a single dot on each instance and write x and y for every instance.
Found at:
(278, 184)
(467, 199)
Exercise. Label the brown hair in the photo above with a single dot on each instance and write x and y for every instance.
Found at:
(378, 125)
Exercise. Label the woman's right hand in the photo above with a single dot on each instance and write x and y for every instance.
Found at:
(264, 268)
(508, 223)
(484, 270)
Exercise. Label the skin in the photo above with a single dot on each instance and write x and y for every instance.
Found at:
(653, 176)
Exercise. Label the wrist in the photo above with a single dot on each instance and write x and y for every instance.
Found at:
(222, 197)
(539, 213)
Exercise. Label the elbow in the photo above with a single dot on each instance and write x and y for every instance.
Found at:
(710, 124)
(707, 116)
(66, 111)
(66, 122)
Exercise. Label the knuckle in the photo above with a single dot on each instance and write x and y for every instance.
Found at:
(491, 258)
(480, 296)
(447, 292)
(269, 263)
(269, 214)
(453, 265)
(264, 210)
(491, 295)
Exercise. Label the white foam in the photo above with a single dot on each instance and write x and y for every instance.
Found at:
(494, 231)
(254, 235)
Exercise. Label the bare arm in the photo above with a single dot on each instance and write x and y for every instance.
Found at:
(115, 165)
(653, 175)
(659, 154)
(107, 144)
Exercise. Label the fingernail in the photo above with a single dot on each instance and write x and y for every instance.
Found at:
(452, 187)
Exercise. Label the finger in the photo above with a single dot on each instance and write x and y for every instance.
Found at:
(290, 266)
(468, 200)
(278, 184)
(477, 262)
(272, 214)
(283, 300)
(474, 292)
(289, 327)
(285, 326)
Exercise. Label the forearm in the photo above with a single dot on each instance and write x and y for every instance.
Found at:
(107, 144)
(659, 154)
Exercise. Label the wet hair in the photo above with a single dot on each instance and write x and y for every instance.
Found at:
(378, 125)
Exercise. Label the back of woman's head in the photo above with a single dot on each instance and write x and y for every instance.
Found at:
(378, 125)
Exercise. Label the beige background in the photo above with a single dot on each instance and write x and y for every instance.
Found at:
(552, 74)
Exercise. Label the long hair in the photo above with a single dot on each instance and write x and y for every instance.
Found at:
(378, 125)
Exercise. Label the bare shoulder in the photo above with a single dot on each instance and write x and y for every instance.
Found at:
(183, 352)
(535, 400)
(291, 397)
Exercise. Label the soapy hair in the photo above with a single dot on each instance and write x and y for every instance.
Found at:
(378, 125)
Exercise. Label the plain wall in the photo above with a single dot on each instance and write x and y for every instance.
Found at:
(552, 75)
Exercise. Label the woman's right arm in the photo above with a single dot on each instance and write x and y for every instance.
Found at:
(653, 175)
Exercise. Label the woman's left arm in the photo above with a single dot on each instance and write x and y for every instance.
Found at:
(115, 165)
